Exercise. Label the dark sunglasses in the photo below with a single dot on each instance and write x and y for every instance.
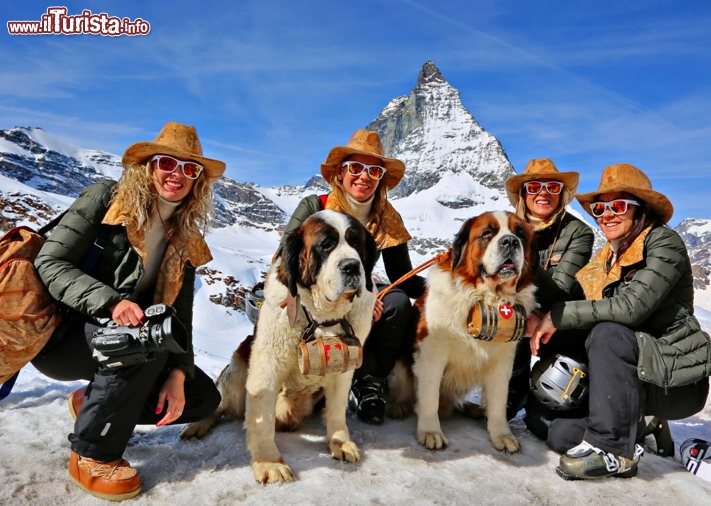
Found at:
(535, 187)
(617, 206)
(356, 169)
(168, 164)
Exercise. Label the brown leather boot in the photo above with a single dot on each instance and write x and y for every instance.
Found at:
(113, 481)
(75, 400)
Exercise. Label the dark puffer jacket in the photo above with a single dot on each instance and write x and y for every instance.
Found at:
(114, 277)
(564, 247)
(652, 294)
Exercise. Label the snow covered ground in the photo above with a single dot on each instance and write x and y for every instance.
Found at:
(394, 469)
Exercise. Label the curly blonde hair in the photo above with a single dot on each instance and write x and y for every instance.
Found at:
(136, 190)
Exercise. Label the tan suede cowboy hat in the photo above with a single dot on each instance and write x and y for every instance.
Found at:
(363, 142)
(627, 178)
(177, 140)
(540, 168)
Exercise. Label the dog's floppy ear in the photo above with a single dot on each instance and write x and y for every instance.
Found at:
(461, 240)
(290, 270)
(532, 257)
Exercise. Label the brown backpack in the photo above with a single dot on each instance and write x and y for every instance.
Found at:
(28, 314)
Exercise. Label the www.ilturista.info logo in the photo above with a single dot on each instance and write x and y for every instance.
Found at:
(56, 22)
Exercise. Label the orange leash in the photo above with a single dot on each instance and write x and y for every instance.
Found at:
(414, 271)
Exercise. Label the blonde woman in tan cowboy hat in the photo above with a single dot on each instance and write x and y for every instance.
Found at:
(152, 222)
(360, 176)
(646, 352)
(540, 196)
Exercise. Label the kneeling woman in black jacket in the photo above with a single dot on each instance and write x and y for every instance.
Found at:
(646, 352)
(150, 224)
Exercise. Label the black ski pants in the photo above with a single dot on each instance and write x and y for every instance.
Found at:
(618, 399)
(118, 398)
(391, 336)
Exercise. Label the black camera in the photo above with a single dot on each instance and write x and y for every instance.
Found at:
(118, 345)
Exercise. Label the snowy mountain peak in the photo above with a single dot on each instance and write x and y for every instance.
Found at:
(432, 132)
(430, 73)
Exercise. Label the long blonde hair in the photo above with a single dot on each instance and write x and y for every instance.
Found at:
(376, 212)
(136, 192)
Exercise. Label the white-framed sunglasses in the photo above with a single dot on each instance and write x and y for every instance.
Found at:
(168, 164)
(356, 169)
(617, 206)
(535, 187)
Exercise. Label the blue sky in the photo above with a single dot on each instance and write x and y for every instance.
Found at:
(273, 85)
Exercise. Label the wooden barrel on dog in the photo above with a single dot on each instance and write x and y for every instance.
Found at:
(330, 355)
(500, 324)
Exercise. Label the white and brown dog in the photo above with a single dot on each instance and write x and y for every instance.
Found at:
(490, 261)
(325, 272)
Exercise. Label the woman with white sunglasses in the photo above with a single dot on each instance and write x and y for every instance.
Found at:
(360, 176)
(540, 196)
(646, 352)
(150, 227)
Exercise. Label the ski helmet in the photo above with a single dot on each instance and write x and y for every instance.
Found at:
(560, 383)
(253, 301)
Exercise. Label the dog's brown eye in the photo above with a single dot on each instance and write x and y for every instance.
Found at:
(488, 234)
(327, 244)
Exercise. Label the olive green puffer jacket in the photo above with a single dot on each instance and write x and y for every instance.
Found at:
(114, 276)
(654, 296)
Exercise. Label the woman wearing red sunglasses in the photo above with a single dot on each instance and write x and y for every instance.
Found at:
(541, 195)
(150, 225)
(360, 176)
(646, 352)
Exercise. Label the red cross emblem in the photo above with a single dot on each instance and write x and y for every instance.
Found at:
(327, 349)
(506, 311)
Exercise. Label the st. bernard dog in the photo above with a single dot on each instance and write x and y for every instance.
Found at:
(323, 276)
(490, 261)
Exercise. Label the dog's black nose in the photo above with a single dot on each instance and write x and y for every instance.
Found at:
(349, 267)
(509, 242)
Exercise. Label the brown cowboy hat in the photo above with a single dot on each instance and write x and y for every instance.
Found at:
(540, 168)
(627, 178)
(363, 142)
(177, 140)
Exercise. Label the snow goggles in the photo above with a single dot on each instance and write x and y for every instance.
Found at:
(356, 169)
(168, 164)
(535, 187)
(617, 206)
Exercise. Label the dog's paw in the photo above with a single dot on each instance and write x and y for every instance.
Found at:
(347, 451)
(272, 472)
(432, 440)
(506, 443)
(195, 430)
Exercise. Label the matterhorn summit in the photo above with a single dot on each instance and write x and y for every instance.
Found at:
(432, 132)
